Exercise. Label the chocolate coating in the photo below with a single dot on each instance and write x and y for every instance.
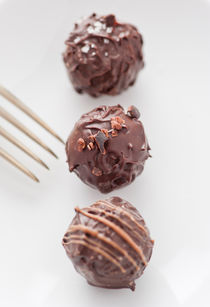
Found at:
(107, 148)
(109, 243)
(103, 56)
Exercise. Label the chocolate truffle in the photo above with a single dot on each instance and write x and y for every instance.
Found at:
(103, 55)
(107, 148)
(109, 243)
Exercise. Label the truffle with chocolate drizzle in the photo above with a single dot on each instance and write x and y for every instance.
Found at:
(103, 55)
(107, 148)
(109, 243)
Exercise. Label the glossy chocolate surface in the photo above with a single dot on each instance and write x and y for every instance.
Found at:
(107, 148)
(103, 56)
(109, 244)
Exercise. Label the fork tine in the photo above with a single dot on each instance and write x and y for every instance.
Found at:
(25, 130)
(17, 164)
(20, 145)
(19, 104)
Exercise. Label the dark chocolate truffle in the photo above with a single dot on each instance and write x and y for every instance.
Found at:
(103, 56)
(107, 148)
(109, 243)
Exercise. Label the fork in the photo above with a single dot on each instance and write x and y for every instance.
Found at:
(10, 118)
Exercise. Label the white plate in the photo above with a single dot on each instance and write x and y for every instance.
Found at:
(172, 194)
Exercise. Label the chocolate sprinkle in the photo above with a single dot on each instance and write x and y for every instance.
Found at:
(106, 132)
(133, 112)
(117, 123)
(91, 138)
(110, 20)
(100, 139)
(114, 133)
(90, 146)
(96, 171)
(80, 144)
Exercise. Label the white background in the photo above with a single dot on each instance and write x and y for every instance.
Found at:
(172, 194)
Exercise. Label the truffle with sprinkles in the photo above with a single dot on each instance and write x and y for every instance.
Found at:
(109, 243)
(107, 148)
(103, 55)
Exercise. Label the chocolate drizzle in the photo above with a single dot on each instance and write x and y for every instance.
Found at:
(95, 234)
(103, 56)
(125, 213)
(108, 228)
(118, 230)
(112, 148)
